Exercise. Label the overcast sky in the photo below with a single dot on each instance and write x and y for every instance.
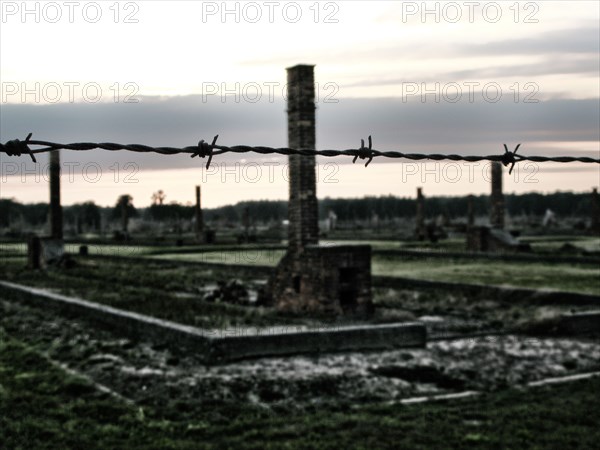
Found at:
(460, 77)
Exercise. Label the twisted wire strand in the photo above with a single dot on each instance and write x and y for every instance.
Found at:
(204, 149)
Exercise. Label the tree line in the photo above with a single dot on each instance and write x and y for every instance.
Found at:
(89, 215)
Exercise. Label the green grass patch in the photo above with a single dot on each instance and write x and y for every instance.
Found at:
(562, 277)
(250, 256)
(151, 288)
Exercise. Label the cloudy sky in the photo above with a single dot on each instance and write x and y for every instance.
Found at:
(455, 77)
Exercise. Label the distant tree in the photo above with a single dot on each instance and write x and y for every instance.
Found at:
(124, 209)
(9, 209)
(171, 211)
(158, 197)
(85, 215)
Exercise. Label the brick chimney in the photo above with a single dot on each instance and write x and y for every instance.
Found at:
(311, 278)
(303, 208)
(497, 198)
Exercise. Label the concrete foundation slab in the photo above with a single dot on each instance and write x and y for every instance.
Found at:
(223, 345)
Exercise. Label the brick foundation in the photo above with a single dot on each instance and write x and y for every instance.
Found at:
(333, 280)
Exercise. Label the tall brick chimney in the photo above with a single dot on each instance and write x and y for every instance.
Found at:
(303, 208)
(497, 198)
(199, 218)
(420, 215)
(56, 217)
(595, 200)
(310, 278)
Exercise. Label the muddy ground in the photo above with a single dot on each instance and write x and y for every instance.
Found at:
(151, 375)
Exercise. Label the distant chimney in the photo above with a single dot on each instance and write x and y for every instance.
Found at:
(497, 198)
(595, 211)
(56, 218)
(420, 215)
(199, 218)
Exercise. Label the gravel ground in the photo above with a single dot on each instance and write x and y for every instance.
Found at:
(148, 374)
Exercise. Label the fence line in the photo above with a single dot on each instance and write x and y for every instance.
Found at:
(17, 147)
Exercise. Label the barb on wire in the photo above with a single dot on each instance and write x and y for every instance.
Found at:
(510, 157)
(206, 150)
(17, 147)
(364, 152)
(203, 149)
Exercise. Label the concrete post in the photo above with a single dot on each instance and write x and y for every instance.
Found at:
(303, 208)
(497, 198)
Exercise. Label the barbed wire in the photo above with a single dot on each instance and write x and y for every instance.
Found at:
(17, 147)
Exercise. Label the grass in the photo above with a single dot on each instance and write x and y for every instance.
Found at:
(150, 288)
(109, 250)
(173, 291)
(258, 257)
(563, 277)
(41, 406)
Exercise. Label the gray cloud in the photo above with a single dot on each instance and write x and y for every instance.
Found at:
(567, 41)
(571, 41)
(551, 66)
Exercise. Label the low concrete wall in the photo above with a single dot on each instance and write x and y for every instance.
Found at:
(367, 337)
(212, 348)
(122, 322)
